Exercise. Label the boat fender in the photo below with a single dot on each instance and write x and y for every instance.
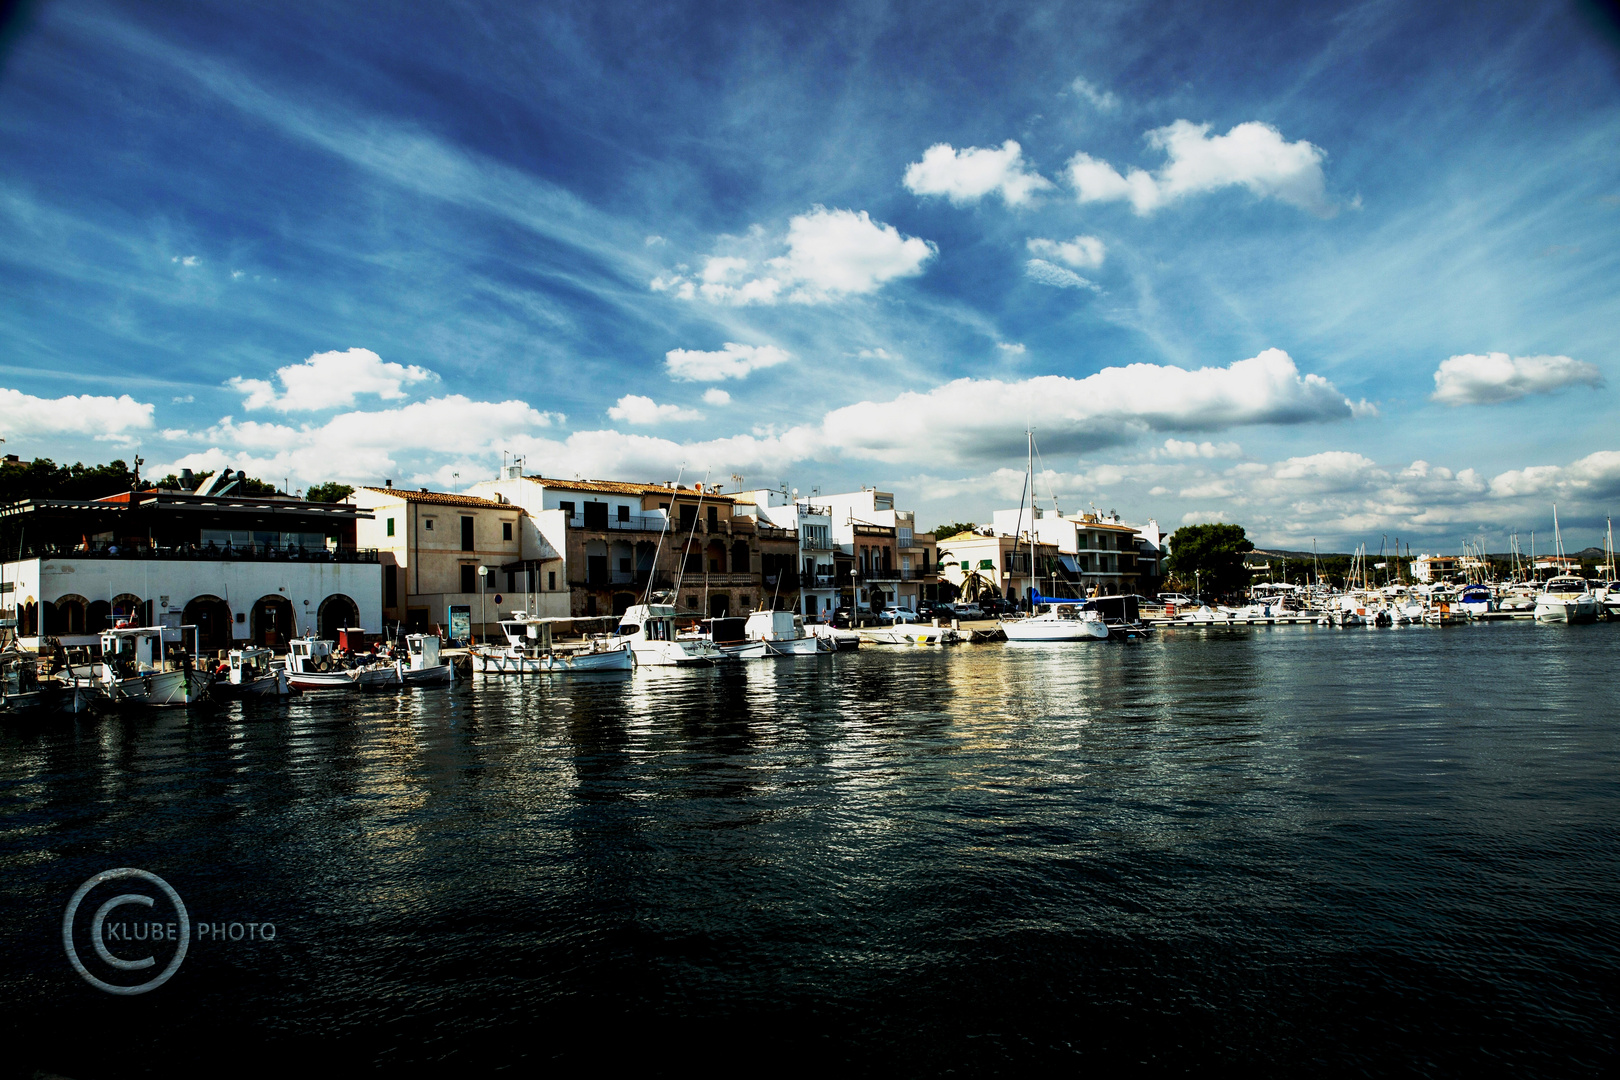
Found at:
(323, 664)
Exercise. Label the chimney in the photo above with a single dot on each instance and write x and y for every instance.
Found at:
(388, 483)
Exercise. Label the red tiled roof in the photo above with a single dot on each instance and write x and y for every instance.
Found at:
(442, 498)
(618, 487)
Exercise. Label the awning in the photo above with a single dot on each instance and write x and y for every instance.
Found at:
(1069, 564)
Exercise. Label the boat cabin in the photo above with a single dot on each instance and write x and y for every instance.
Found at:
(307, 654)
(142, 648)
(654, 622)
(774, 626)
(423, 650)
(249, 664)
(1566, 583)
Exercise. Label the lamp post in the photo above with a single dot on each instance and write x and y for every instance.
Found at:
(483, 577)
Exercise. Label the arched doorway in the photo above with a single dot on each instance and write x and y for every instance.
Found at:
(741, 562)
(28, 618)
(97, 616)
(129, 608)
(646, 552)
(717, 557)
(596, 562)
(336, 612)
(621, 560)
(212, 617)
(273, 620)
(70, 615)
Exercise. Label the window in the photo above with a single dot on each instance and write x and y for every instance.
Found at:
(390, 526)
(511, 581)
(427, 523)
(567, 508)
(466, 533)
(551, 581)
(664, 507)
(714, 518)
(469, 578)
(624, 564)
(624, 512)
(691, 602)
(390, 582)
(506, 530)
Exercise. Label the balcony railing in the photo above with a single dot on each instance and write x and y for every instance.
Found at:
(633, 523)
(201, 552)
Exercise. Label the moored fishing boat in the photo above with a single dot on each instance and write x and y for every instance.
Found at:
(137, 667)
(531, 650)
(782, 633)
(648, 630)
(423, 665)
(313, 664)
(252, 672)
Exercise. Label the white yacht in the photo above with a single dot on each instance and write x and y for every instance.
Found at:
(135, 667)
(649, 632)
(1057, 620)
(529, 650)
(1566, 599)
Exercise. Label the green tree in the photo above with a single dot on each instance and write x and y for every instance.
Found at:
(942, 531)
(1212, 555)
(43, 478)
(329, 492)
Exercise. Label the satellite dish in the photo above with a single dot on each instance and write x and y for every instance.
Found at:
(795, 492)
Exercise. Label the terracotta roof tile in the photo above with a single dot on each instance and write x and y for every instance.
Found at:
(617, 487)
(442, 498)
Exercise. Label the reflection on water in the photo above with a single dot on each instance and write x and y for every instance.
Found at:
(1284, 846)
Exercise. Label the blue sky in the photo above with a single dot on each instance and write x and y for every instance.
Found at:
(1219, 272)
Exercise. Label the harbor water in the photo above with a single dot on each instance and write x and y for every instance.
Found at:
(1280, 848)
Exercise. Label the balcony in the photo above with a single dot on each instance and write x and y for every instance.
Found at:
(633, 523)
(773, 532)
(200, 552)
(811, 542)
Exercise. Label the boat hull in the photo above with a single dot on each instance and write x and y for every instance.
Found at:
(1574, 609)
(1057, 630)
(437, 675)
(613, 660)
(159, 689)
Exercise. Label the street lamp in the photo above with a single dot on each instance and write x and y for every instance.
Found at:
(483, 577)
(1198, 586)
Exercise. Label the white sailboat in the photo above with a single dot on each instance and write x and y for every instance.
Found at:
(1057, 620)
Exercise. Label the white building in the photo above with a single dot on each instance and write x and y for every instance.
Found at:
(243, 569)
(818, 587)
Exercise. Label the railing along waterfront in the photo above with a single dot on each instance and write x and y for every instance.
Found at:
(202, 552)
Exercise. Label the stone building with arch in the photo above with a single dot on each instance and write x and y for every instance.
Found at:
(241, 568)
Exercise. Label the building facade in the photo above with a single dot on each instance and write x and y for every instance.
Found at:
(242, 569)
(440, 550)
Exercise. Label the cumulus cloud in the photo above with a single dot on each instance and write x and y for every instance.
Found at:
(1472, 379)
(966, 176)
(734, 361)
(830, 254)
(1059, 277)
(363, 446)
(328, 380)
(1180, 448)
(1082, 253)
(24, 414)
(1252, 155)
(716, 396)
(1102, 100)
(635, 409)
(1116, 405)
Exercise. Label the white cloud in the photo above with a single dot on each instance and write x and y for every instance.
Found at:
(1472, 379)
(1252, 155)
(987, 417)
(966, 176)
(635, 409)
(365, 446)
(1102, 100)
(184, 260)
(716, 396)
(876, 354)
(655, 241)
(329, 380)
(1595, 476)
(1082, 253)
(186, 399)
(236, 275)
(830, 254)
(735, 361)
(24, 414)
(1015, 348)
(1058, 277)
(1177, 448)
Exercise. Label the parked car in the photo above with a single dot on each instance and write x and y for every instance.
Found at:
(930, 610)
(995, 605)
(969, 611)
(888, 616)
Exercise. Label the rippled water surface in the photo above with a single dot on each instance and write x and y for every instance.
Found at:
(1282, 849)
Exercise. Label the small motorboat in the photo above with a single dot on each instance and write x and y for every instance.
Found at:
(254, 672)
(138, 666)
(649, 631)
(423, 666)
(314, 664)
(530, 650)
